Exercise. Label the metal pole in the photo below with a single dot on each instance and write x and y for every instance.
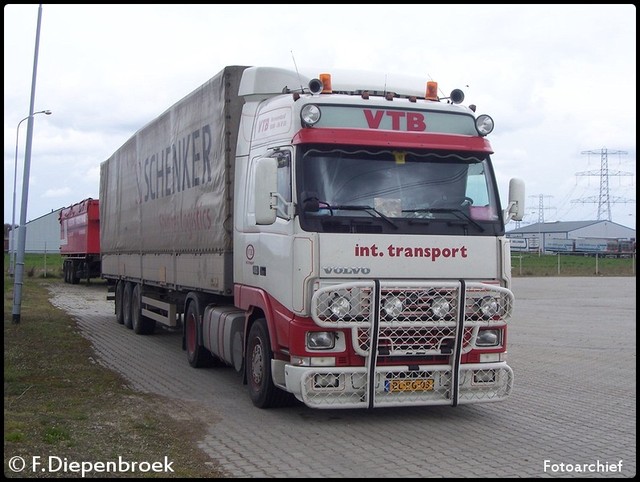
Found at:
(22, 233)
(12, 257)
(540, 243)
(521, 264)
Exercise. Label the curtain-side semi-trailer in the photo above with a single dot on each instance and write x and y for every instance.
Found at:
(80, 241)
(339, 242)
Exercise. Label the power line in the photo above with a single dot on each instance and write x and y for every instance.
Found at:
(604, 200)
(541, 207)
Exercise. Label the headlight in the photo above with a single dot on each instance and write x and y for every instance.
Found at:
(488, 307)
(340, 307)
(310, 115)
(484, 125)
(392, 306)
(440, 308)
(321, 340)
(488, 338)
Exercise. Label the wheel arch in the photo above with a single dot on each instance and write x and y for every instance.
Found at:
(257, 304)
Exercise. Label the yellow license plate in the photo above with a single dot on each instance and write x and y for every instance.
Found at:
(413, 385)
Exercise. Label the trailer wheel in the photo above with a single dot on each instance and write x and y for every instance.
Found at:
(126, 304)
(197, 354)
(118, 302)
(264, 394)
(75, 279)
(141, 324)
(68, 271)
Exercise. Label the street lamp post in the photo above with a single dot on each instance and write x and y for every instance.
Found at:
(22, 235)
(12, 258)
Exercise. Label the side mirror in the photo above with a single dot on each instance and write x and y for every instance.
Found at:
(515, 210)
(266, 187)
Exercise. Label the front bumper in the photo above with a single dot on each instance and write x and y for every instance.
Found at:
(349, 387)
(391, 321)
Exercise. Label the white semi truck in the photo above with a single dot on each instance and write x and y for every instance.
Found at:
(341, 243)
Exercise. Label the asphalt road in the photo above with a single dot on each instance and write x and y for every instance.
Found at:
(572, 413)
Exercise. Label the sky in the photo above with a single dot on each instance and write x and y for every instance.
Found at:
(558, 80)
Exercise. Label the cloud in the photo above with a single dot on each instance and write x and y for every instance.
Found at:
(557, 79)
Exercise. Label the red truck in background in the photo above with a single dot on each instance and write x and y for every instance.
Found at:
(80, 241)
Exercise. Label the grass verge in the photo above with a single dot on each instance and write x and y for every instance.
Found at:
(61, 406)
(531, 264)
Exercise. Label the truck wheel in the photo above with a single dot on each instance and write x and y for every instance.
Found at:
(118, 302)
(197, 355)
(67, 272)
(73, 273)
(141, 324)
(264, 394)
(126, 304)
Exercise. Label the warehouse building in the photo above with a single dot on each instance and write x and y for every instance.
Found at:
(549, 236)
(43, 234)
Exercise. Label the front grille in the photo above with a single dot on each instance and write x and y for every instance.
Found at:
(413, 341)
(412, 319)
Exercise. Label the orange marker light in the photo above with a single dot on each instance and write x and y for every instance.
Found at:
(432, 90)
(326, 83)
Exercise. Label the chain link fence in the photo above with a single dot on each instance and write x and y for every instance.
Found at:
(530, 264)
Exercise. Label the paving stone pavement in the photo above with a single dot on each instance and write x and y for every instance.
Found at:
(572, 346)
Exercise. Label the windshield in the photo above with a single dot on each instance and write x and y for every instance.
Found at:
(355, 190)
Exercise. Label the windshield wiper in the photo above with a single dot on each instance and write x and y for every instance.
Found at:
(365, 208)
(457, 212)
(311, 203)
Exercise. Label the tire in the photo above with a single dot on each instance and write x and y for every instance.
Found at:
(67, 272)
(72, 275)
(264, 394)
(118, 302)
(141, 324)
(85, 270)
(126, 304)
(197, 355)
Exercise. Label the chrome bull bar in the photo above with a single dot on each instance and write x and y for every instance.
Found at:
(389, 320)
